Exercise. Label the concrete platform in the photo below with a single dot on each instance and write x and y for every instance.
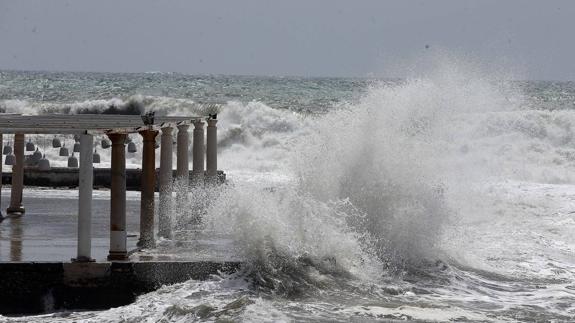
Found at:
(48, 231)
(36, 275)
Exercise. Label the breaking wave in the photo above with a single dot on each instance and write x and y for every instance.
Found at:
(134, 105)
(376, 188)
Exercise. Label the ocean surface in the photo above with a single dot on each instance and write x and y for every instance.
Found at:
(448, 196)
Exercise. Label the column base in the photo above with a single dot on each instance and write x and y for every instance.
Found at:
(83, 259)
(146, 243)
(15, 210)
(165, 230)
(114, 255)
(211, 179)
(165, 234)
(198, 178)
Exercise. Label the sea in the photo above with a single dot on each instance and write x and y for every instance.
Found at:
(442, 197)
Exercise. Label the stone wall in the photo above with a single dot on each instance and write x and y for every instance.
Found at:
(68, 177)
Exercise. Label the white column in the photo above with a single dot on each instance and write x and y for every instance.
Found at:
(198, 153)
(86, 175)
(17, 176)
(212, 152)
(182, 165)
(165, 184)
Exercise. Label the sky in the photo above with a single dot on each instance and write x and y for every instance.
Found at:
(298, 37)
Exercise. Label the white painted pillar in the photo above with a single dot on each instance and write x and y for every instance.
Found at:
(212, 152)
(165, 184)
(182, 165)
(17, 176)
(118, 238)
(198, 153)
(85, 186)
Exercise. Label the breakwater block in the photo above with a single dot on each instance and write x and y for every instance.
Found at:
(44, 287)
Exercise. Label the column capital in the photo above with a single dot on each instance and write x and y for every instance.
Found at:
(118, 138)
(183, 127)
(198, 124)
(148, 135)
(212, 122)
(167, 130)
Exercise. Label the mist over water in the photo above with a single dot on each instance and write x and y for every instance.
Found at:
(441, 197)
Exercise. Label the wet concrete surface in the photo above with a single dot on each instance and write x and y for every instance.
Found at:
(48, 231)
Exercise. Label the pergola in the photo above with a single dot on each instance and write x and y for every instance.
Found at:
(117, 128)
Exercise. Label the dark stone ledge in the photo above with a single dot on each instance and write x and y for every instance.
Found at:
(43, 287)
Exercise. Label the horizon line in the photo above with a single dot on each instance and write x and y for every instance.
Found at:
(366, 77)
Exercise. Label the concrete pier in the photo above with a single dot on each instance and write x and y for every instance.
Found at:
(16, 206)
(148, 187)
(35, 287)
(35, 250)
(165, 184)
(118, 198)
(198, 154)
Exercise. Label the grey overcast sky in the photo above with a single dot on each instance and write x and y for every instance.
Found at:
(296, 37)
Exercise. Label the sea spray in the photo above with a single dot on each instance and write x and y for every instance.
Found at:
(287, 237)
(376, 179)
